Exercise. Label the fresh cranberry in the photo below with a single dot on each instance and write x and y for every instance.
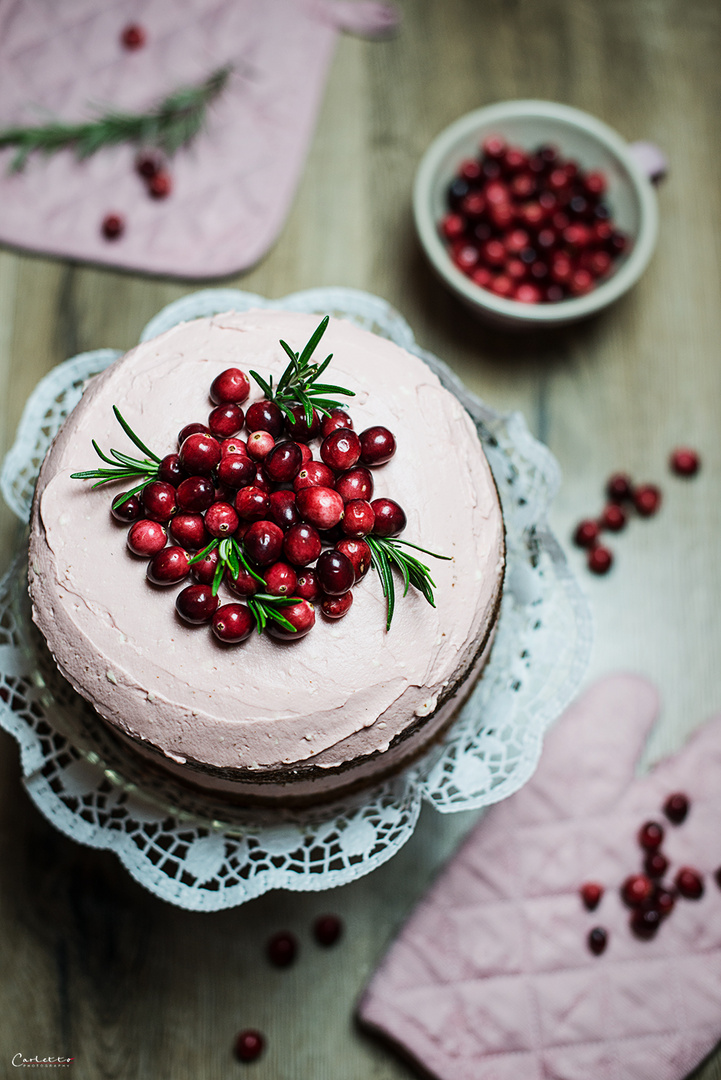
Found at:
(619, 488)
(302, 618)
(676, 807)
(159, 501)
(189, 531)
(390, 519)
(359, 554)
(689, 883)
(262, 480)
(335, 607)
(199, 454)
(591, 893)
(327, 929)
(307, 586)
(298, 428)
(160, 185)
(221, 520)
(196, 604)
(230, 387)
(655, 864)
(335, 572)
(664, 900)
(586, 533)
(306, 453)
(282, 949)
(613, 517)
(636, 889)
(321, 507)
(355, 484)
(263, 542)
(113, 226)
(465, 256)
(148, 163)
(170, 470)
(259, 445)
(685, 462)
(503, 286)
(600, 559)
(146, 537)
(234, 447)
(581, 282)
(359, 519)
(126, 509)
(265, 415)
(341, 449)
(647, 499)
(281, 580)
(233, 623)
(249, 1045)
(133, 36)
(482, 276)
(192, 429)
(225, 421)
(283, 510)
(203, 571)
(283, 462)
(243, 584)
(195, 495)
(236, 471)
(314, 474)
(337, 418)
(527, 293)
(168, 566)
(645, 920)
(252, 504)
(597, 940)
(650, 835)
(377, 445)
(453, 226)
(301, 545)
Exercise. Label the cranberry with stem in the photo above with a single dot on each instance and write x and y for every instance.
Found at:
(359, 554)
(390, 518)
(233, 623)
(335, 607)
(231, 387)
(196, 604)
(265, 415)
(300, 615)
(335, 572)
(169, 566)
(676, 807)
(146, 537)
(195, 495)
(302, 544)
(126, 510)
(597, 940)
(341, 449)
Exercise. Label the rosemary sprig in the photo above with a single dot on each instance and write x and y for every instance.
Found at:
(168, 125)
(298, 384)
(231, 557)
(122, 466)
(387, 553)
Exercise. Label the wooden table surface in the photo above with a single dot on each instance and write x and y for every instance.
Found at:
(93, 966)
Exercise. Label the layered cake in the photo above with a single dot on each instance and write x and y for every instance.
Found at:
(300, 717)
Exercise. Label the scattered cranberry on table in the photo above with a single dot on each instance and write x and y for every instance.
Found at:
(689, 883)
(685, 462)
(249, 1045)
(676, 807)
(597, 940)
(327, 929)
(282, 949)
(113, 226)
(600, 559)
(133, 37)
(591, 893)
(650, 835)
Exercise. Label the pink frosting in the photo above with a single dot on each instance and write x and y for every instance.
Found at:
(348, 688)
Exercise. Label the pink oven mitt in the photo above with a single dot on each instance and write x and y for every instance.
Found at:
(492, 977)
(232, 187)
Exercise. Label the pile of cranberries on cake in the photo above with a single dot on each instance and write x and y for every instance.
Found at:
(530, 225)
(281, 530)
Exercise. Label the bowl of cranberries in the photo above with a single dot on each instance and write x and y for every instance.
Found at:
(534, 213)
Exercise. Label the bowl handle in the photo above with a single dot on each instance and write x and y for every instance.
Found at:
(650, 159)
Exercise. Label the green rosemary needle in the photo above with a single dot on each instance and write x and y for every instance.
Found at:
(387, 553)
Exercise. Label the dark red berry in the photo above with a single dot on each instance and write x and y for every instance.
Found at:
(613, 517)
(283, 462)
(597, 940)
(281, 580)
(196, 604)
(225, 421)
(259, 445)
(199, 454)
(113, 226)
(335, 572)
(338, 418)
(314, 474)
(664, 900)
(378, 445)
(221, 520)
(234, 447)
(233, 623)
(159, 501)
(307, 586)
(321, 507)
(390, 518)
(359, 519)
(591, 893)
(148, 163)
(146, 537)
(355, 484)
(298, 428)
(160, 185)
(282, 949)
(619, 488)
(265, 416)
(262, 480)
(283, 510)
(717, 877)
(655, 864)
(302, 618)
(170, 470)
(645, 920)
(236, 471)
(168, 566)
(230, 387)
(192, 429)
(195, 495)
(335, 607)
(133, 36)
(647, 499)
(306, 452)
(636, 889)
(263, 542)
(685, 462)
(599, 559)
(126, 510)
(249, 1045)
(244, 584)
(359, 554)
(689, 883)
(252, 504)
(327, 929)
(676, 807)
(650, 835)
(341, 449)
(189, 531)
(204, 570)
(302, 544)
(587, 533)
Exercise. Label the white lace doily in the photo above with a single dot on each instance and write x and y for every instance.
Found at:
(196, 851)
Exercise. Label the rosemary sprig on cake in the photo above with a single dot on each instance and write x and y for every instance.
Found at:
(387, 553)
(122, 466)
(167, 126)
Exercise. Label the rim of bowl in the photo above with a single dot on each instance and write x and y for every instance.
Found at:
(565, 310)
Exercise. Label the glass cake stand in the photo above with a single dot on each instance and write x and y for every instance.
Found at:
(196, 851)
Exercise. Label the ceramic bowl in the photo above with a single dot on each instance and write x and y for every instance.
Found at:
(591, 143)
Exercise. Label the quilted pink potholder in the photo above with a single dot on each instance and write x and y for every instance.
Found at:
(232, 187)
(492, 979)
